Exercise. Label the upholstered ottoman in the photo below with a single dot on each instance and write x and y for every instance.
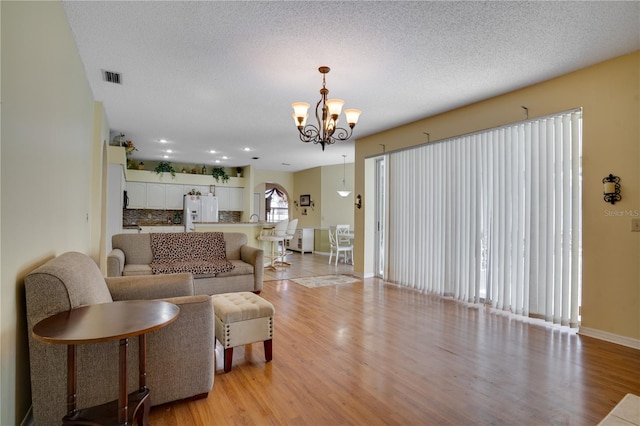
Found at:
(242, 318)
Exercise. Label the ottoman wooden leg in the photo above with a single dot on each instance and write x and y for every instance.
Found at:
(268, 346)
(228, 357)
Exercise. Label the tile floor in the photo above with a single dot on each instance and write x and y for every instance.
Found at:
(626, 412)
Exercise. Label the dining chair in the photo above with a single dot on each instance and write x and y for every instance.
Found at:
(338, 246)
(343, 234)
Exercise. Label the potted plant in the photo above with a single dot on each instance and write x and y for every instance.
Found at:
(165, 166)
(218, 173)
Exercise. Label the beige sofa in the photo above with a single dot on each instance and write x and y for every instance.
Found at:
(132, 254)
(180, 356)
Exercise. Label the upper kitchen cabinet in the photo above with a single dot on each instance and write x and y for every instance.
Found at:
(137, 193)
(230, 199)
(157, 196)
(156, 193)
(174, 197)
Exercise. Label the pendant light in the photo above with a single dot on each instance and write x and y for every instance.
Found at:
(344, 192)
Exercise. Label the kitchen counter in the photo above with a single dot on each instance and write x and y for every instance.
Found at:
(134, 225)
(232, 224)
(155, 227)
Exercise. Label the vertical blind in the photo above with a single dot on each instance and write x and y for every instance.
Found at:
(492, 217)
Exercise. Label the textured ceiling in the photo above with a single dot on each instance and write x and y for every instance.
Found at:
(211, 75)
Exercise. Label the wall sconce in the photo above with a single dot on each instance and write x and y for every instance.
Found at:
(611, 189)
(358, 202)
(312, 205)
(295, 204)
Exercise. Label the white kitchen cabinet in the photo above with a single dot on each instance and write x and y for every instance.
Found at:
(230, 198)
(137, 193)
(156, 193)
(302, 241)
(174, 197)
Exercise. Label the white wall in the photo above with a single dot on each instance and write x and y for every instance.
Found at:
(46, 171)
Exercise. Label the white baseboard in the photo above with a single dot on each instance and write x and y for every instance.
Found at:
(610, 337)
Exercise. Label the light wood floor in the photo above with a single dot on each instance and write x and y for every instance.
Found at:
(372, 353)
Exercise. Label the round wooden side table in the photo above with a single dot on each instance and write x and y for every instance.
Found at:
(101, 323)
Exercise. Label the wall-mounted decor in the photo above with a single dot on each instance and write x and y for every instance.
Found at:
(611, 189)
(305, 200)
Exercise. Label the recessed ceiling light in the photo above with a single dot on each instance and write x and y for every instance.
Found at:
(246, 149)
(213, 151)
(165, 156)
(162, 140)
(217, 161)
(169, 151)
(224, 157)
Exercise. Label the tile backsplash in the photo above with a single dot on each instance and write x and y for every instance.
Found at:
(142, 216)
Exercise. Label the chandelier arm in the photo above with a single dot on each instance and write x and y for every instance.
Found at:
(341, 134)
(309, 134)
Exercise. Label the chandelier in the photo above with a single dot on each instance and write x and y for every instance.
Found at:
(327, 111)
(344, 192)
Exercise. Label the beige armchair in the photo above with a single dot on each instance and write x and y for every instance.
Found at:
(180, 357)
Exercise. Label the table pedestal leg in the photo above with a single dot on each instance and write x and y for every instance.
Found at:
(72, 381)
(142, 416)
(123, 397)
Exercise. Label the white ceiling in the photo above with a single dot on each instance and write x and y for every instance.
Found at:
(222, 75)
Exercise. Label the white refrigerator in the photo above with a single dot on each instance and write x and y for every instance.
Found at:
(201, 209)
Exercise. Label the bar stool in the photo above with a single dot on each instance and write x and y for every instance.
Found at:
(275, 237)
(291, 231)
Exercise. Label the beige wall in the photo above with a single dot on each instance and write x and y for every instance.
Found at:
(308, 182)
(609, 94)
(335, 209)
(47, 181)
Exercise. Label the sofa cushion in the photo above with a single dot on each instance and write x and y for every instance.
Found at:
(136, 247)
(234, 242)
(239, 268)
(134, 269)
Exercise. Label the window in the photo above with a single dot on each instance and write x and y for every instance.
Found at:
(277, 206)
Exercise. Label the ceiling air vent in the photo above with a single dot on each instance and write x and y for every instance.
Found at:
(111, 77)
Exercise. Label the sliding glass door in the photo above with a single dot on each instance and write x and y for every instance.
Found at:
(380, 216)
(492, 217)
